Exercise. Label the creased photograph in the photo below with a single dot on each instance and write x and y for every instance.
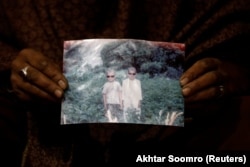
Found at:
(123, 81)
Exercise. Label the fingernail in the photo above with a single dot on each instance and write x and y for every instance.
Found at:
(184, 81)
(58, 93)
(186, 91)
(62, 84)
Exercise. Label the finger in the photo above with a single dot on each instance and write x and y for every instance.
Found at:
(26, 89)
(205, 94)
(47, 67)
(22, 95)
(54, 73)
(43, 82)
(40, 80)
(28, 96)
(200, 67)
(36, 91)
(204, 81)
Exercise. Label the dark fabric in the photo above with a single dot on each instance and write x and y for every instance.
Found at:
(13, 125)
(212, 28)
(208, 28)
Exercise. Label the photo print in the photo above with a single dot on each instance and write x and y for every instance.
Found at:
(123, 81)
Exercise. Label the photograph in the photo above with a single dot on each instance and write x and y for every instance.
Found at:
(123, 81)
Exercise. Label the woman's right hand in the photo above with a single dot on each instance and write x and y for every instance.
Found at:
(35, 76)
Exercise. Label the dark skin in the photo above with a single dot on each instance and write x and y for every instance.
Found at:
(45, 79)
(200, 82)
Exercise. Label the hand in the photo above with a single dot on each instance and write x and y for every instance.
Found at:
(211, 78)
(44, 78)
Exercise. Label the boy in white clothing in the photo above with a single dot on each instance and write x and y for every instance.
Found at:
(131, 94)
(112, 97)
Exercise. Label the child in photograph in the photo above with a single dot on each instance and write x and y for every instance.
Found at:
(131, 95)
(112, 97)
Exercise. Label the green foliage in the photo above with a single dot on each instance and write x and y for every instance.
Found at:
(160, 95)
(84, 103)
